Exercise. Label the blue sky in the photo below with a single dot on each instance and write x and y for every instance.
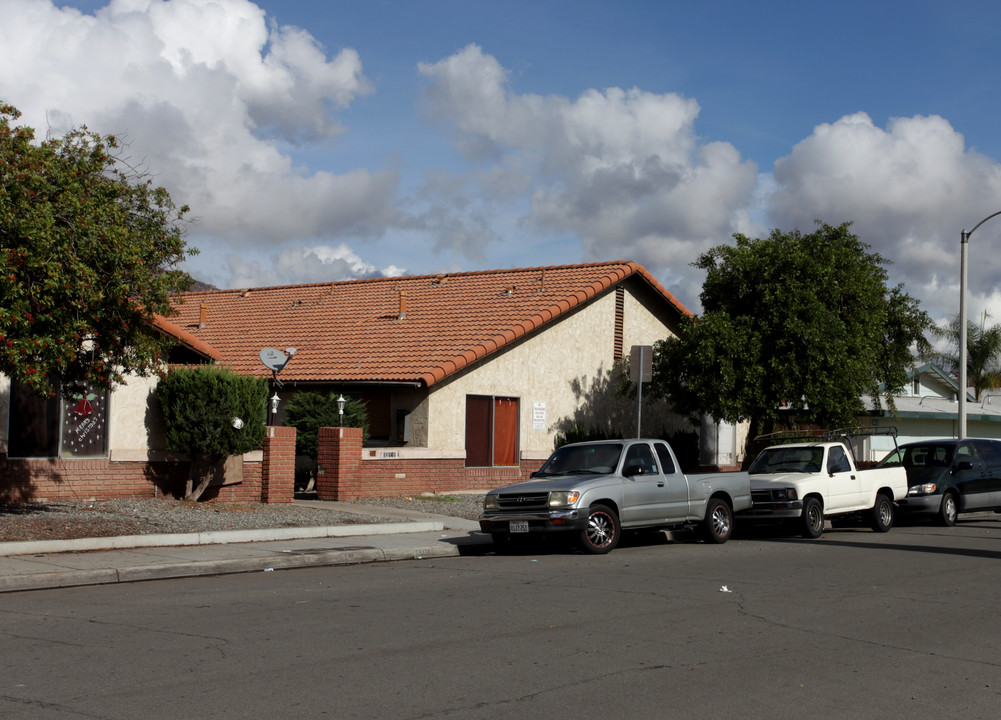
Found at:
(320, 141)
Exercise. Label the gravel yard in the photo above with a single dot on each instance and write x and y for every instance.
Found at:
(63, 520)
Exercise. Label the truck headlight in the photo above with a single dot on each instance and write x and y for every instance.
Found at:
(563, 498)
(490, 503)
(786, 494)
(926, 489)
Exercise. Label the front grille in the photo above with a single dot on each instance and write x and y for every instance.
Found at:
(761, 497)
(523, 501)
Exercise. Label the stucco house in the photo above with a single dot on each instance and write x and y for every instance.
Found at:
(928, 408)
(468, 377)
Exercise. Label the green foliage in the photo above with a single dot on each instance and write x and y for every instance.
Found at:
(801, 320)
(88, 253)
(199, 404)
(307, 412)
(983, 353)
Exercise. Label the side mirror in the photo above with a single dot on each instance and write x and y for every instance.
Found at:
(632, 470)
(963, 465)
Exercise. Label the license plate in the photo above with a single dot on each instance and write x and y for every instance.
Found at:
(519, 526)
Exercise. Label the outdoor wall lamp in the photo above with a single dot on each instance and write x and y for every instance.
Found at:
(274, 406)
(340, 409)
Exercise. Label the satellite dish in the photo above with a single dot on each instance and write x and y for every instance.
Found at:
(273, 359)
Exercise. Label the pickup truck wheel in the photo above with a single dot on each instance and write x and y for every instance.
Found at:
(881, 515)
(812, 518)
(602, 532)
(719, 521)
(949, 510)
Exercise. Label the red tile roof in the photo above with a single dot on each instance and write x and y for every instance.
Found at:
(415, 329)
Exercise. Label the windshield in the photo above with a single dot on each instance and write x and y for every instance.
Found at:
(576, 459)
(788, 459)
(919, 456)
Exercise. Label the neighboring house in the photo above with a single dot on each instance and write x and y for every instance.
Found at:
(928, 408)
(468, 377)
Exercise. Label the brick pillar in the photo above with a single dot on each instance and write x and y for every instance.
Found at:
(338, 463)
(278, 470)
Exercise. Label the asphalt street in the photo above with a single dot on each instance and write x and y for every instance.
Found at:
(854, 625)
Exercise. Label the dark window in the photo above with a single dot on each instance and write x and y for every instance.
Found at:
(491, 431)
(837, 460)
(666, 464)
(990, 453)
(965, 453)
(639, 459)
(56, 427)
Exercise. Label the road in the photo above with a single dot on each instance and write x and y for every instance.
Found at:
(856, 624)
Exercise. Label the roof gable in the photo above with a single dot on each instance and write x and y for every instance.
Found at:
(416, 329)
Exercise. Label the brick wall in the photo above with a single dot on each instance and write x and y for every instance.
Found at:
(345, 473)
(271, 480)
(277, 476)
(95, 479)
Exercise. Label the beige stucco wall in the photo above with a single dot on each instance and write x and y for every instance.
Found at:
(554, 368)
(131, 422)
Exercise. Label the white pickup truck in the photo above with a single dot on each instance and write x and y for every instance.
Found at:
(805, 482)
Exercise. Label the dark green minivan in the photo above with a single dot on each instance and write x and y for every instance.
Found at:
(948, 477)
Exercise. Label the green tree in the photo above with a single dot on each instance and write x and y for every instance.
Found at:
(803, 322)
(88, 253)
(210, 413)
(983, 353)
(308, 411)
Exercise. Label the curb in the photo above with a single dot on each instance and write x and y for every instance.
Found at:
(217, 537)
(279, 561)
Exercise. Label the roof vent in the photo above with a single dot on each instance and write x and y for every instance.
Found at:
(203, 315)
(245, 293)
(439, 280)
(507, 292)
(403, 305)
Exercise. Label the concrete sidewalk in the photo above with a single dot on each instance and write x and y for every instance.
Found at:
(96, 561)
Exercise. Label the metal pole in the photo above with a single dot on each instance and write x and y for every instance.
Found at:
(964, 241)
(639, 398)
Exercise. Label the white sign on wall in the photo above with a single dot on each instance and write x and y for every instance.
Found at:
(539, 416)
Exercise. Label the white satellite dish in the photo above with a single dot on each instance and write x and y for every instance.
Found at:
(273, 359)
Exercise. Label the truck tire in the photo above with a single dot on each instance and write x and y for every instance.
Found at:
(812, 519)
(602, 532)
(949, 510)
(881, 515)
(718, 523)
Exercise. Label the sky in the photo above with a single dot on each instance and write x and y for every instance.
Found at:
(321, 141)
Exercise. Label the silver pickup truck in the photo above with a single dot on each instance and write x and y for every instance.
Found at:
(598, 489)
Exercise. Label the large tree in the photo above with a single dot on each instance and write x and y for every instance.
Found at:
(793, 325)
(89, 248)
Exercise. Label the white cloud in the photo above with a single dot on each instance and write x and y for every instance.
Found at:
(207, 95)
(622, 169)
(910, 189)
(321, 263)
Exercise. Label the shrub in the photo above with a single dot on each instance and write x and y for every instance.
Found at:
(200, 406)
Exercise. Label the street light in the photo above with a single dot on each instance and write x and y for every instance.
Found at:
(964, 240)
(340, 409)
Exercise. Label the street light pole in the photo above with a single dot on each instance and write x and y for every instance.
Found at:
(964, 241)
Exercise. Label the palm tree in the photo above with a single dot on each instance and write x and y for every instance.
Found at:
(983, 353)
